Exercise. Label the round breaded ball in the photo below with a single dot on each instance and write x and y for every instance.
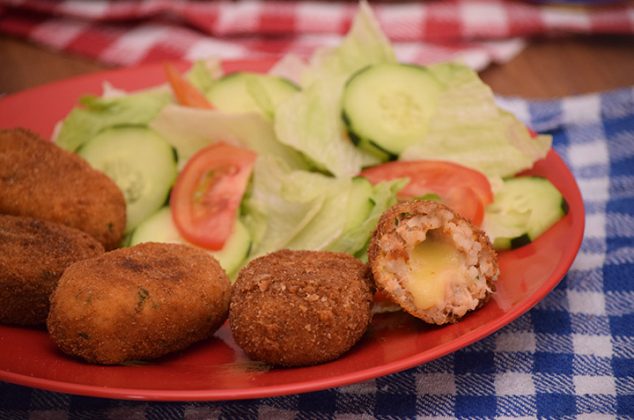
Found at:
(33, 256)
(299, 308)
(138, 303)
(41, 180)
(431, 261)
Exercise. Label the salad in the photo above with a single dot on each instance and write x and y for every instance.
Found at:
(310, 154)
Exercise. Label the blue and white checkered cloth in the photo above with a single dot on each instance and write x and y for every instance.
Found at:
(572, 356)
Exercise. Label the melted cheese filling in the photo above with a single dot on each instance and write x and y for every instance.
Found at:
(433, 264)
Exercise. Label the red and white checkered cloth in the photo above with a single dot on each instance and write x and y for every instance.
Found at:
(129, 32)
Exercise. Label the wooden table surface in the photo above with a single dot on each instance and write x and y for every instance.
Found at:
(546, 68)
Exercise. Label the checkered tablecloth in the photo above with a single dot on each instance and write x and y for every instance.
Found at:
(571, 356)
(129, 32)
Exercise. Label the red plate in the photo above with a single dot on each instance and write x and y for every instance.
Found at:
(217, 369)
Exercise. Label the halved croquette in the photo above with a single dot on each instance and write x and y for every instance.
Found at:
(431, 261)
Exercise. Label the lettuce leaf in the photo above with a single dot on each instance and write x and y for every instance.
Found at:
(272, 217)
(297, 209)
(290, 67)
(327, 224)
(363, 45)
(190, 129)
(355, 240)
(203, 74)
(310, 121)
(470, 129)
(99, 113)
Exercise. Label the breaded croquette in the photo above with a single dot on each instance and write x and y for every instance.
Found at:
(33, 256)
(38, 179)
(432, 262)
(297, 308)
(138, 303)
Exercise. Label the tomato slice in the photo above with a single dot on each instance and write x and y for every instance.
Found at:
(208, 191)
(465, 190)
(186, 94)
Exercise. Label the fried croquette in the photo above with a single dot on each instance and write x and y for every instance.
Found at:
(38, 179)
(33, 256)
(138, 303)
(432, 262)
(298, 308)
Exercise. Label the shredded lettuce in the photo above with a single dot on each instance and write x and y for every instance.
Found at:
(470, 129)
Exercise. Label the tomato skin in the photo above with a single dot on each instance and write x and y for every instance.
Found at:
(532, 132)
(465, 190)
(467, 203)
(208, 191)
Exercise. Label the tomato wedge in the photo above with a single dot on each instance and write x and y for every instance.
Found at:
(208, 191)
(465, 190)
(186, 94)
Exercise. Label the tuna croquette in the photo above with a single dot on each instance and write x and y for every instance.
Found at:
(298, 308)
(431, 261)
(138, 303)
(38, 179)
(33, 256)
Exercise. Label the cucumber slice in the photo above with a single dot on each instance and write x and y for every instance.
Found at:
(367, 145)
(359, 203)
(388, 106)
(157, 228)
(160, 228)
(250, 92)
(140, 162)
(523, 209)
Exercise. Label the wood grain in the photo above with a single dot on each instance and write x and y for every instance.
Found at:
(565, 66)
(24, 65)
(546, 68)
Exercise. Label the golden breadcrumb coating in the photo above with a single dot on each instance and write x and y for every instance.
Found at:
(297, 308)
(33, 255)
(39, 179)
(138, 303)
